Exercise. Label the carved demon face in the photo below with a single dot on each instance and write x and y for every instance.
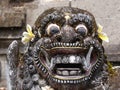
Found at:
(69, 53)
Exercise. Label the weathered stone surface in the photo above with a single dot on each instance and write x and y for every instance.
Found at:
(12, 18)
(20, 1)
(12, 25)
(107, 14)
(3, 71)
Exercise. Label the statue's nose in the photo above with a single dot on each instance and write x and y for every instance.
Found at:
(68, 34)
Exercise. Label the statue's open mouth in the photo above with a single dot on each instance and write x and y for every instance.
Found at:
(68, 61)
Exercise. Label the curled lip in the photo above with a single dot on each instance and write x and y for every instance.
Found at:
(64, 48)
(63, 45)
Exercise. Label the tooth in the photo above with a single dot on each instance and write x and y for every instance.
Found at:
(79, 81)
(84, 62)
(95, 67)
(43, 68)
(76, 44)
(52, 63)
(45, 71)
(71, 44)
(79, 72)
(59, 72)
(56, 44)
(64, 44)
(71, 81)
(73, 72)
(72, 59)
(65, 73)
(65, 59)
(51, 45)
(61, 81)
(58, 60)
(68, 81)
(65, 81)
(89, 56)
(37, 62)
(85, 78)
(53, 79)
(46, 56)
(90, 75)
(59, 44)
(58, 81)
(81, 45)
(75, 81)
(67, 44)
(78, 59)
(40, 66)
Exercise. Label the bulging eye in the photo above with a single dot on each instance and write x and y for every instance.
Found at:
(53, 29)
(81, 29)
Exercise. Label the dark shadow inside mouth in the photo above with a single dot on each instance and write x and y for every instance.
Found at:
(69, 69)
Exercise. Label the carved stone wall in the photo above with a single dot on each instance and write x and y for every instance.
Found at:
(12, 24)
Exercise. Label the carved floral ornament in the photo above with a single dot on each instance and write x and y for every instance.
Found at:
(65, 52)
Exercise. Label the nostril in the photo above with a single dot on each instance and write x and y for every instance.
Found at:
(59, 38)
(77, 39)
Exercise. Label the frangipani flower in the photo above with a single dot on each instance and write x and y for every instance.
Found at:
(47, 88)
(101, 34)
(28, 36)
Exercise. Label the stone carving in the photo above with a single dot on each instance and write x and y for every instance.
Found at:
(65, 54)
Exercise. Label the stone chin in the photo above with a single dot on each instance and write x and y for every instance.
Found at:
(69, 52)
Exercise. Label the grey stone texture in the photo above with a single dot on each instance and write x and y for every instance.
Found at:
(14, 16)
(12, 25)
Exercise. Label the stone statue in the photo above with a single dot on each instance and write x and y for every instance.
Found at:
(64, 52)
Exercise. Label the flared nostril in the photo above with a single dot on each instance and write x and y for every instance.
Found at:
(77, 39)
(59, 38)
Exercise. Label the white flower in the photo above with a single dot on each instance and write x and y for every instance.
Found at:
(47, 88)
(28, 36)
(101, 34)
